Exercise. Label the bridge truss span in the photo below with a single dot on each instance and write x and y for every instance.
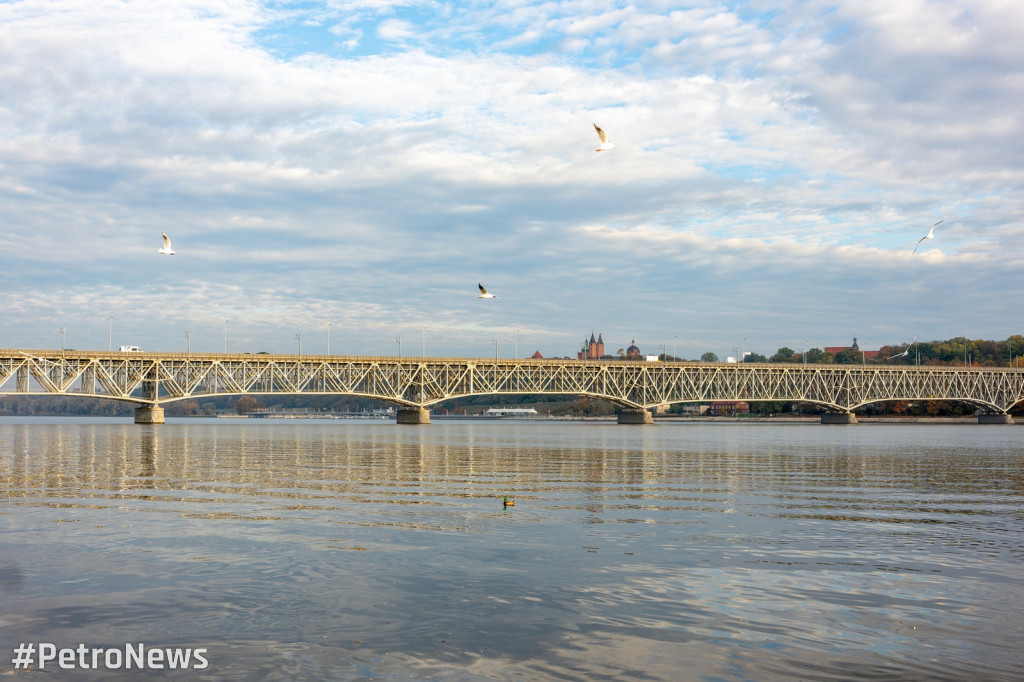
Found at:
(154, 379)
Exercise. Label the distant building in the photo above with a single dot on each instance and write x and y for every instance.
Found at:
(510, 412)
(592, 350)
(633, 353)
(721, 408)
(536, 356)
(868, 354)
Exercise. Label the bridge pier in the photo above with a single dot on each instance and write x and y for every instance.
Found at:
(989, 418)
(413, 415)
(635, 417)
(149, 414)
(838, 418)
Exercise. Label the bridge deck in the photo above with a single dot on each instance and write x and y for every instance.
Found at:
(417, 382)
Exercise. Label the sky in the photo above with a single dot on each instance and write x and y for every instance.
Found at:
(341, 175)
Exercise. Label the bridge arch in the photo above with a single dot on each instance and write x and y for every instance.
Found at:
(155, 379)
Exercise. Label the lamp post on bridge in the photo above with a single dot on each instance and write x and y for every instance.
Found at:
(188, 342)
(110, 331)
(398, 340)
(226, 335)
(61, 330)
(329, 337)
(299, 337)
(495, 342)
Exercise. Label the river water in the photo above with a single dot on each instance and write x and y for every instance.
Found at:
(347, 550)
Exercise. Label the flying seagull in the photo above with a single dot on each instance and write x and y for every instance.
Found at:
(484, 294)
(905, 350)
(927, 236)
(167, 250)
(605, 144)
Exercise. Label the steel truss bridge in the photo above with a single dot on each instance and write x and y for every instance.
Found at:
(413, 383)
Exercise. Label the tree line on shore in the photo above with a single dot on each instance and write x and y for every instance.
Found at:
(957, 351)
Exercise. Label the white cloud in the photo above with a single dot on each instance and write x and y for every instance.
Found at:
(772, 176)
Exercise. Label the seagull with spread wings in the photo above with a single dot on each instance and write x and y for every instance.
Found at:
(905, 350)
(167, 250)
(605, 143)
(930, 235)
(484, 294)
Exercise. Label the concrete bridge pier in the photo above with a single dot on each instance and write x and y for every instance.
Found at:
(413, 415)
(635, 417)
(838, 418)
(149, 414)
(989, 418)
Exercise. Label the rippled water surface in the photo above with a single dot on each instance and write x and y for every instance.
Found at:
(349, 550)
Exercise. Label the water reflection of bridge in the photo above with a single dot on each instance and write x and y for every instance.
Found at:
(153, 379)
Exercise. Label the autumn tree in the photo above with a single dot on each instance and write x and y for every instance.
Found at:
(784, 354)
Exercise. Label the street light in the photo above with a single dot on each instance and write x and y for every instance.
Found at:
(188, 340)
(61, 340)
(329, 337)
(495, 342)
(225, 335)
(299, 337)
(110, 332)
(517, 342)
(398, 340)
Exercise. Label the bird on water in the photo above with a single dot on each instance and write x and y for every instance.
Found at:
(507, 502)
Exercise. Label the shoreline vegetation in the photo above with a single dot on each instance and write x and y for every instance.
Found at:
(658, 418)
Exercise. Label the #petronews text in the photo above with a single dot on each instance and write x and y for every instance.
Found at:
(132, 656)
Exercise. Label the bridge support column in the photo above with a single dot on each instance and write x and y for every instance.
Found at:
(984, 418)
(413, 415)
(838, 418)
(148, 414)
(635, 417)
